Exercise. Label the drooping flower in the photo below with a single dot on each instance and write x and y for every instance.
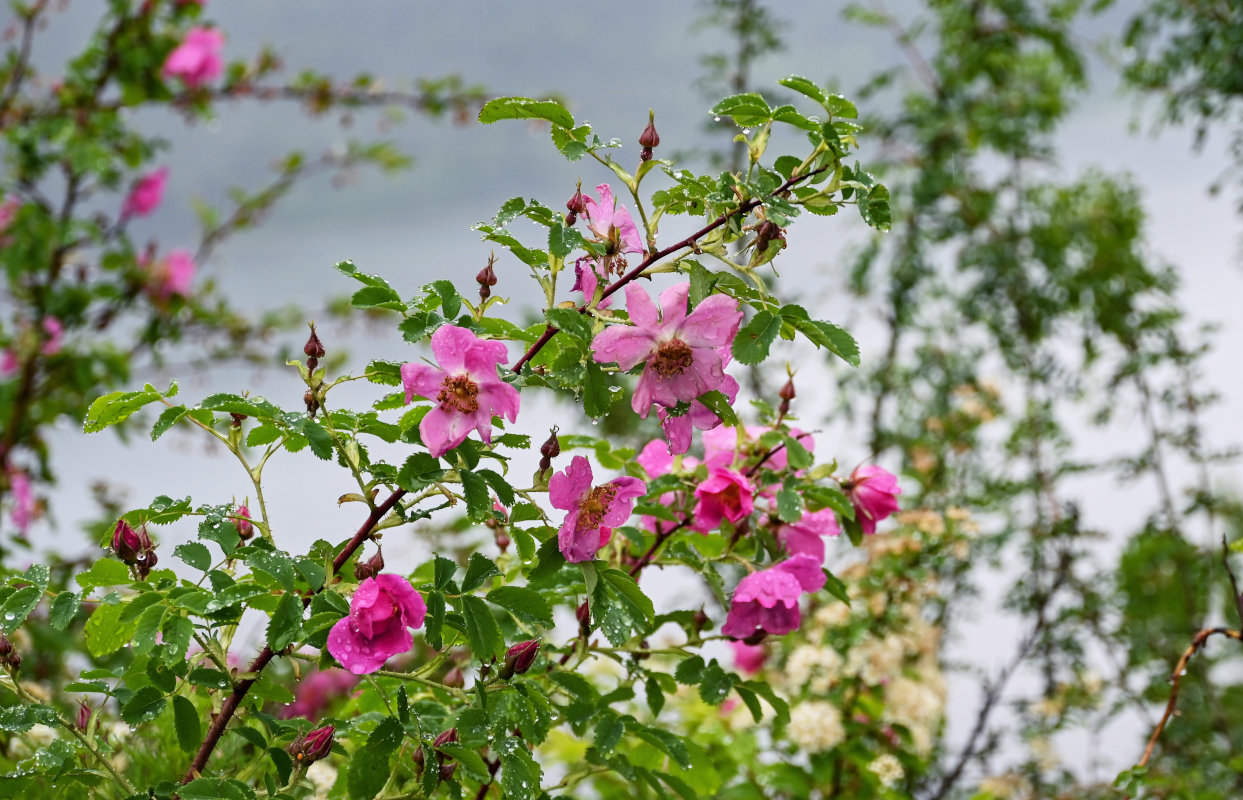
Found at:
(55, 331)
(382, 611)
(767, 601)
(807, 535)
(725, 495)
(317, 690)
(197, 59)
(681, 351)
(465, 388)
(678, 429)
(145, 196)
(748, 658)
(23, 511)
(613, 227)
(593, 511)
(874, 492)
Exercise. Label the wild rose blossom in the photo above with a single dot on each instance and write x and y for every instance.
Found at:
(767, 601)
(807, 535)
(612, 225)
(721, 445)
(317, 690)
(382, 611)
(197, 59)
(146, 194)
(874, 492)
(681, 351)
(678, 429)
(725, 495)
(593, 510)
(171, 275)
(465, 388)
(748, 658)
(55, 331)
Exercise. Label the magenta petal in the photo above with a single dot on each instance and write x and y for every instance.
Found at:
(500, 399)
(442, 430)
(677, 431)
(406, 597)
(625, 345)
(422, 380)
(631, 242)
(655, 459)
(450, 345)
(642, 310)
(742, 620)
(673, 308)
(568, 487)
(713, 323)
(806, 570)
(627, 489)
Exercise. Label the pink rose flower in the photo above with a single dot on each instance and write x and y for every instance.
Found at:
(767, 601)
(748, 658)
(8, 362)
(807, 535)
(197, 59)
(721, 445)
(656, 460)
(726, 494)
(680, 350)
(873, 491)
(612, 225)
(55, 335)
(593, 511)
(465, 388)
(377, 628)
(146, 194)
(678, 429)
(317, 690)
(23, 511)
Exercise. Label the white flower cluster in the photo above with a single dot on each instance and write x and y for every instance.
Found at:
(322, 776)
(814, 667)
(916, 705)
(816, 726)
(888, 768)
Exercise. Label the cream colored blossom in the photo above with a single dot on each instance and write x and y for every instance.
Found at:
(1045, 754)
(322, 775)
(814, 667)
(815, 726)
(832, 615)
(1010, 786)
(875, 660)
(888, 768)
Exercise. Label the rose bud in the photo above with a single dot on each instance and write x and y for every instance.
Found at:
(371, 567)
(519, 658)
(584, 617)
(311, 747)
(313, 348)
(486, 278)
(447, 764)
(649, 138)
(447, 768)
(8, 654)
(786, 394)
(550, 449)
(454, 678)
(126, 543)
(84, 716)
(245, 529)
(446, 737)
(419, 760)
(577, 205)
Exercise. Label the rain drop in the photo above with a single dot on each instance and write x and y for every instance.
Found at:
(746, 131)
(717, 118)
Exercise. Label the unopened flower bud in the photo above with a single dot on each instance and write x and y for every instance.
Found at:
(519, 658)
(486, 279)
(419, 760)
(454, 678)
(765, 233)
(312, 402)
(699, 620)
(447, 769)
(446, 737)
(245, 528)
(577, 205)
(311, 747)
(84, 716)
(447, 764)
(583, 614)
(126, 543)
(371, 567)
(786, 393)
(549, 450)
(237, 419)
(649, 138)
(502, 540)
(8, 654)
(313, 348)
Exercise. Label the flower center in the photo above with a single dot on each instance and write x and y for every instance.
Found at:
(597, 502)
(459, 393)
(672, 358)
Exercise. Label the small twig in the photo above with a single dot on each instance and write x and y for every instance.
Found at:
(1234, 583)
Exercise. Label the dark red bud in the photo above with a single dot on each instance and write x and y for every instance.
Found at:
(419, 760)
(699, 620)
(237, 419)
(313, 348)
(446, 737)
(371, 567)
(787, 391)
(583, 614)
(649, 138)
(126, 543)
(84, 716)
(8, 654)
(245, 529)
(502, 541)
(447, 769)
(455, 678)
(551, 448)
(519, 658)
(312, 746)
(312, 402)
(577, 204)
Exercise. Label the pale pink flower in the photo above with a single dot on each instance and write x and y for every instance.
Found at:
(680, 351)
(317, 691)
(613, 226)
(873, 491)
(748, 658)
(382, 611)
(593, 511)
(8, 362)
(197, 59)
(465, 388)
(721, 445)
(725, 495)
(145, 195)
(807, 535)
(23, 511)
(767, 601)
(55, 331)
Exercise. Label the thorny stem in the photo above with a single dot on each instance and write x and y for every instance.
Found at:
(635, 272)
(230, 704)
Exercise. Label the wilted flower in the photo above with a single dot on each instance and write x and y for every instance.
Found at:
(146, 194)
(197, 59)
(767, 601)
(593, 511)
(465, 387)
(382, 611)
(681, 351)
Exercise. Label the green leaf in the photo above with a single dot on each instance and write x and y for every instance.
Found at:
(718, 404)
(147, 629)
(571, 322)
(186, 721)
(116, 407)
(482, 631)
(471, 761)
(450, 300)
(618, 606)
(874, 207)
(753, 341)
(18, 607)
(823, 334)
(286, 622)
(520, 775)
(789, 505)
(525, 604)
(215, 789)
(104, 631)
(747, 110)
(525, 108)
(597, 399)
(146, 704)
(562, 240)
(104, 572)
(319, 439)
(64, 609)
(655, 697)
(478, 569)
(806, 87)
(550, 560)
(370, 766)
(435, 619)
(377, 296)
(504, 492)
(195, 554)
(478, 498)
(715, 684)
(609, 731)
(167, 419)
